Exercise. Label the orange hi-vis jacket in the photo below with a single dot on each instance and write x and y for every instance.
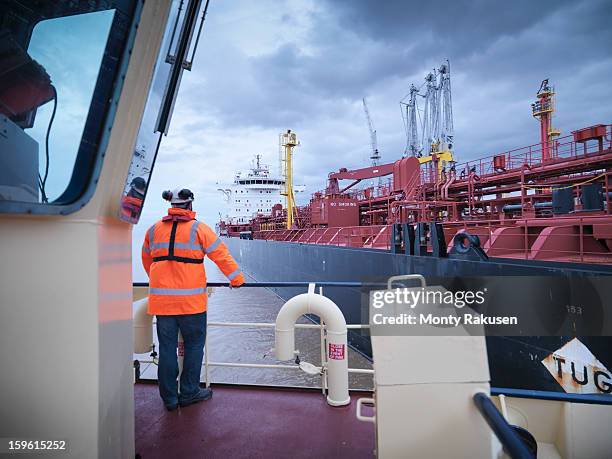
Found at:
(173, 256)
(130, 208)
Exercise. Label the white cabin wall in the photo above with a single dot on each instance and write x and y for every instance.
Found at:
(66, 297)
(49, 332)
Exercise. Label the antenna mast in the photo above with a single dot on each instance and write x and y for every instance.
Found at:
(288, 141)
(543, 109)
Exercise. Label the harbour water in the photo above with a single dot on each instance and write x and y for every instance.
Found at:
(255, 345)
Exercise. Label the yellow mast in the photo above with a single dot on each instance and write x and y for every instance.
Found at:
(288, 141)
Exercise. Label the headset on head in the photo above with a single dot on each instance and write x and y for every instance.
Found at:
(184, 195)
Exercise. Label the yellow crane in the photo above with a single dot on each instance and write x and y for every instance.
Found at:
(288, 141)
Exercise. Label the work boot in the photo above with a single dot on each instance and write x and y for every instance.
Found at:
(171, 407)
(201, 395)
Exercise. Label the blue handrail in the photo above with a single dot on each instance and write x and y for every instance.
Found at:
(593, 399)
(282, 284)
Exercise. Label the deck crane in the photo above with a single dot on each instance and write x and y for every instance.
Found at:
(375, 157)
(446, 106)
(436, 134)
(431, 113)
(438, 112)
(413, 146)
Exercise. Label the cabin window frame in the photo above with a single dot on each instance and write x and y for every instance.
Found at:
(100, 118)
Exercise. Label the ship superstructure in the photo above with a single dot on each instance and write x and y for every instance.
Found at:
(253, 192)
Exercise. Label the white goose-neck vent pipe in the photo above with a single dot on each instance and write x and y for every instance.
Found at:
(143, 333)
(143, 327)
(330, 314)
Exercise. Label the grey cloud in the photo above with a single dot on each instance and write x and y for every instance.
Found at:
(360, 45)
(453, 24)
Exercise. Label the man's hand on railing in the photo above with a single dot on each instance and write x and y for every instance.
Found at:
(237, 284)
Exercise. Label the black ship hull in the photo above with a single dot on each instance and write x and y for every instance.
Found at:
(515, 362)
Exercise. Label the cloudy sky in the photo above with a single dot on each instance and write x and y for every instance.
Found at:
(267, 66)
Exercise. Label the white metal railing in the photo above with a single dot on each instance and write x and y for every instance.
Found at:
(321, 369)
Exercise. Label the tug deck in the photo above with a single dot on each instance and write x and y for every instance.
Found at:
(251, 422)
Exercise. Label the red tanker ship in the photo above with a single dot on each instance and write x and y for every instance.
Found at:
(547, 201)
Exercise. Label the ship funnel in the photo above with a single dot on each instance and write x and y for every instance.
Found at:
(336, 351)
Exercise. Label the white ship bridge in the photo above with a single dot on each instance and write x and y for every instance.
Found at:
(253, 192)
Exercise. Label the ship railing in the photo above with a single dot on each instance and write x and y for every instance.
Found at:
(588, 399)
(321, 370)
(382, 188)
(563, 148)
(371, 236)
(368, 236)
(599, 399)
(571, 238)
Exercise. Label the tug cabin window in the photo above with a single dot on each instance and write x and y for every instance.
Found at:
(60, 68)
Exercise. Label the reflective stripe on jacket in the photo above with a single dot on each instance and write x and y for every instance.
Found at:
(173, 255)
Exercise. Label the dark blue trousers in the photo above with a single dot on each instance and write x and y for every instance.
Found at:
(193, 329)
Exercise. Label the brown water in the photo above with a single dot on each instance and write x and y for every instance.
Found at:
(254, 345)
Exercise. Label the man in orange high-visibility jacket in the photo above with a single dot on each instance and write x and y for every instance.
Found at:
(173, 255)
(131, 203)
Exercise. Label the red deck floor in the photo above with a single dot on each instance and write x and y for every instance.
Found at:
(245, 421)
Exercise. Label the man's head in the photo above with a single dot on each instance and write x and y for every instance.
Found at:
(179, 197)
(138, 187)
